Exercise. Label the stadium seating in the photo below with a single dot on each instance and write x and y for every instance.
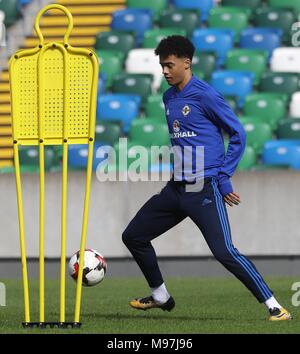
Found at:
(250, 4)
(282, 152)
(2, 29)
(134, 20)
(24, 2)
(155, 5)
(115, 40)
(206, 62)
(289, 129)
(161, 167)
(107, 132)
(154, 36)
(270, 108)
(295, 105)
(232, 101)
(234, 18)
(118, 107)
(149, 132)
(155, 107)
(29, 156)
(292, 4)
(254, 60)
(164, 86)
(78, 155)
(138, 84)
(286, 60)
(11, 9)
(287, 83)
(248, 160)
(233, 83)
(179, 19)
(261, 38)
(203, 6)
(111, 63)
(101, 83)
(134, 152)
(258, 132)
(144, 61)
(199, 74)
(277, 18)
(247, 4)
(130, 70)
(215, 40)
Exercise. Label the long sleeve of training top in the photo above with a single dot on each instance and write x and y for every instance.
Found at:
(221, 113)
(196, 116)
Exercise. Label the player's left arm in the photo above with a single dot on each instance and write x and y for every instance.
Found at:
(225, 118)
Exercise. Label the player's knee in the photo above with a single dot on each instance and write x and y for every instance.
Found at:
(127, 237)
(131, 238)
(222, 256)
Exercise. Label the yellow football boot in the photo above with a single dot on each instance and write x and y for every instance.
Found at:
(147, 303)
(279, 314)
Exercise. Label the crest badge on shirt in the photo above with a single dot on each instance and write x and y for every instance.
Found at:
(168, 112)
(186, 110)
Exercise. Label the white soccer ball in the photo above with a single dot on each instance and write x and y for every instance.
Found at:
(94, 267)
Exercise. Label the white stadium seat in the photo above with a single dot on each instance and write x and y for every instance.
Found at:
(286, 60)
(2, 29)
(295, 105)
(144, 61)
(2, 16)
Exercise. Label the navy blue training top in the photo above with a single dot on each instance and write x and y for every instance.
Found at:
(196, 116)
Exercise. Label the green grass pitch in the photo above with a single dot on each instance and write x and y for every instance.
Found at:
(215, 305)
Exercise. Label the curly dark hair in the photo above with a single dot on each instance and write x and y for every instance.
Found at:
(176, 45)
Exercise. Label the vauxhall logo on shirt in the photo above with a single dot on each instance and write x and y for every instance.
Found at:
(178, 134)
(176, 126)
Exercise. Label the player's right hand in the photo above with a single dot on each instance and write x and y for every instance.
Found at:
(232, 199)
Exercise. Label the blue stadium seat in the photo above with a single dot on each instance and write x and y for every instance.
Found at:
(132, 20)
(78, 156)
(202, 6)
(101, 83)
(160, 167)
(261, 38)
(233, 83)
(282, 152)
(118, 107)
(24, 2)
(215, 40)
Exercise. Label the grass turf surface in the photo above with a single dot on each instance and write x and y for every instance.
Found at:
(215, 305)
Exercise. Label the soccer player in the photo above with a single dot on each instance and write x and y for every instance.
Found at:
(196, 115)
